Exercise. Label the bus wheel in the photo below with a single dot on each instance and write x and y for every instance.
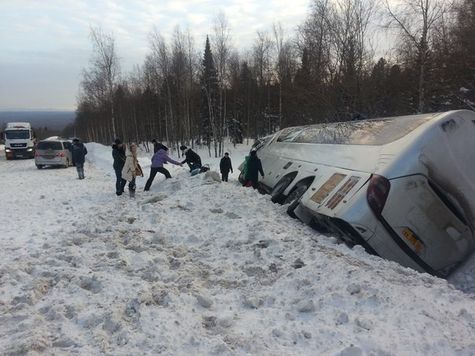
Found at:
(39, 166)
(277, 194)
(294, 198)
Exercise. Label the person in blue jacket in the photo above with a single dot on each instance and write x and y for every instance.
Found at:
(79, 152)
(158, 160)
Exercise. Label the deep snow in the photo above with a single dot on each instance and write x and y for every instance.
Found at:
(196, 266)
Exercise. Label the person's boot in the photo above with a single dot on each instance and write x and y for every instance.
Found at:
(132, 193)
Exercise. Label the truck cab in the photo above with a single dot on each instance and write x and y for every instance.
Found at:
(19, 140)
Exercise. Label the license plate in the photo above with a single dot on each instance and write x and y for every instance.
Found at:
(413, 240)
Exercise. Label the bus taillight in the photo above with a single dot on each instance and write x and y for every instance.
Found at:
(378, 190)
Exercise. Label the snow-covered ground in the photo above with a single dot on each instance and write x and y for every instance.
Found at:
(196, 266)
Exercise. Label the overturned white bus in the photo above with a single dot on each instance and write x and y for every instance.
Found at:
(403, 187)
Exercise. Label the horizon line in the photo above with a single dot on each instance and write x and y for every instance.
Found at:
(3, 109)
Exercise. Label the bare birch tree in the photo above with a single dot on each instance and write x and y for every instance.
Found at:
(415, 21)
(105, 69)
(161, 55)
(221, 52)
(284, 65)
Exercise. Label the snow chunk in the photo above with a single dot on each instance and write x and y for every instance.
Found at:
(342, 319)
(306, 306)
(91, 284)
(204, 301)
(351, 351)
(212, 176)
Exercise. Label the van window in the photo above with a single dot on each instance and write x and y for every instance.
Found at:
(50, 145)
(368, 132)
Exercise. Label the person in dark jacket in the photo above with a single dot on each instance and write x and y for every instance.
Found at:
(79, 152)
(157, 145)
(118, 154)
(158, 160)
(253, 168)
(225, 166)
(191, 158)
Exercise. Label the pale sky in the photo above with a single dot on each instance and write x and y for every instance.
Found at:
(45, 44)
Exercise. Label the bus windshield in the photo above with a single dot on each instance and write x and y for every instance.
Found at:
(17, 134)
(367, 132)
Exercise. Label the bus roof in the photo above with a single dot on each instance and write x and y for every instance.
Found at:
(358, 132)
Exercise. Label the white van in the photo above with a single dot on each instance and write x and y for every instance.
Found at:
(403, 187)
(54, 151)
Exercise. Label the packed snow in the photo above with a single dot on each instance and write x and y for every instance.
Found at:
(197, 266)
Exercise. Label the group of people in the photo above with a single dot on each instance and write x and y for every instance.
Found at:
(127, 167)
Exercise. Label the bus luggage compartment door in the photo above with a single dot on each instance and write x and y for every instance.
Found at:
(426, 224)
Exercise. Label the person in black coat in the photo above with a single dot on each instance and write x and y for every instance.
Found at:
(158, 145)
(118, 154)
(225, 166)
(191, 158)
(253, 168)
(79, 152)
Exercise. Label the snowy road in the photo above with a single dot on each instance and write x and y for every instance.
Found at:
(197, 266)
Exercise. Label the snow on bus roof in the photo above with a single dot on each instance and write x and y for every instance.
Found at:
(356, 132)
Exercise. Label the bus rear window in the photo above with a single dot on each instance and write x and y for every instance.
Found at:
(367, 132)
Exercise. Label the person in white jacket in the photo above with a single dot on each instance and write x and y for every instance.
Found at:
(131, 168)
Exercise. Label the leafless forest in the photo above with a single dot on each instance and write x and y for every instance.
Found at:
(192, 90)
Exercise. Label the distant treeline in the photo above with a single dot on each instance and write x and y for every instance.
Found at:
(51, 119)
(325, 71)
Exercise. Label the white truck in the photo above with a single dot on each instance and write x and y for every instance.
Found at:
(19, 140)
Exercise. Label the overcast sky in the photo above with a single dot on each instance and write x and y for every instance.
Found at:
(45, 43)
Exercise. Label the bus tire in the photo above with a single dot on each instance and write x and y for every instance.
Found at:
(277, 194)
(294, 198)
